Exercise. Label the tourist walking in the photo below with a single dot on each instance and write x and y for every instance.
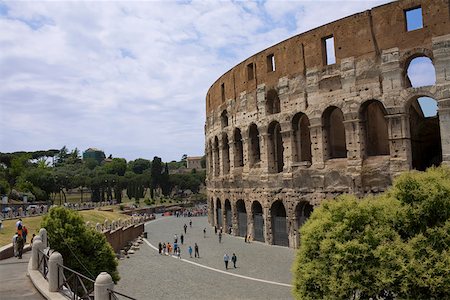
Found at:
(20, 244)
(179, 252)
(175, 238)
(185, 228)
(24, 234)
(159, 247)
(226, 258)
(197, 254)
(204, 232)
(234, 259)
(245, 238)
(182, 239)
(220, 237)
(215, 229)
(164, 248)
(190, 251)
(190, 223)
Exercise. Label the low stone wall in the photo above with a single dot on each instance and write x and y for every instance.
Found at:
(119, 238)
(8, 251)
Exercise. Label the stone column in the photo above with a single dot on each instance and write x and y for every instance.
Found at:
(102, 284)
(37, 246)
(264, 144)
(317, 143)
(268, 226)
(287, 149)
(250, 221)
(44, 237)
(231, 153)
(354, 152)
(246, 152)
(224, 215)
(55, 273)
(441, 58)
(399, 143)
(234, 217)
(444, 126)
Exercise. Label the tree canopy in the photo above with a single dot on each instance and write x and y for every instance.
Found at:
(395, 245)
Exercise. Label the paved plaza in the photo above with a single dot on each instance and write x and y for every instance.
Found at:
(263, 271)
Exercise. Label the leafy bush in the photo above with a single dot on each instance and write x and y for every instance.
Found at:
(392, 246)
(79, 244)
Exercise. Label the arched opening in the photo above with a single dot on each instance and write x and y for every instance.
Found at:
(216, 157)
(224, 119)
(211, 210)
(334, 132)
(302, 138)
(425, 133)
(258, 221)
(228, 214)
(219, 213)
(302, 213)
(238, 149)
(225, 154)
(375, 128)
(255, 154)
(420, 71)
(276, 149)
(242, 218)
(279, 224)
(273, 102)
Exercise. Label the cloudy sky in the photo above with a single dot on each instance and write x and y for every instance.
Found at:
(131, 77)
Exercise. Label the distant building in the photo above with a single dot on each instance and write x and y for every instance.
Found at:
(94, 153)
(194, 162)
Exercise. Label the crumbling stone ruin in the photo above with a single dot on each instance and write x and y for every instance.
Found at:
(295, 124)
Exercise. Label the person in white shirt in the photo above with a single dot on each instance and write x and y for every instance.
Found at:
(19, 222)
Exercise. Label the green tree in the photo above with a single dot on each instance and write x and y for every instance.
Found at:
(139, 165)
(392, 245)
(78, 244)
(156, 174)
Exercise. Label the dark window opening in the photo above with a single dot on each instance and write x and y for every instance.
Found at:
(375, 129)
(413, 17)
(224, 119)
(238, 149)
(225, 155)
(270, 63)
(302, 138)
(250, 71)
(276, 149)
(222, 87)
(255, 154)
(273, 102)
(334, 133)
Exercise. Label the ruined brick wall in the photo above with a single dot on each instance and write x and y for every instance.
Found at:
(313, 139)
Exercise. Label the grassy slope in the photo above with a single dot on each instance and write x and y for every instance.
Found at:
(33, 223)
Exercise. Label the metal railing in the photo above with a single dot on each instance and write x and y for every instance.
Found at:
(113, 295)
(43, 263)
(75, 285)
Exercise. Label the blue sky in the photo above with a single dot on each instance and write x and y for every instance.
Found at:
(131, 77)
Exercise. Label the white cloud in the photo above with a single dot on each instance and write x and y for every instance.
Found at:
(131, 77)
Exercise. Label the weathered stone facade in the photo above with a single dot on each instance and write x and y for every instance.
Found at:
(285, 130)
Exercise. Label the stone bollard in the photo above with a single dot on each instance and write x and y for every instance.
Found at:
(103, 282)
(37, 245)
(53, 269)
(43, 235)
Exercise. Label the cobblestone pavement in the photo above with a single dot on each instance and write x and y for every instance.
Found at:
(14, 282)
(148, 275)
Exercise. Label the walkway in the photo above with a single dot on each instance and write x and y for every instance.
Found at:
(263, 271)
(14, 282)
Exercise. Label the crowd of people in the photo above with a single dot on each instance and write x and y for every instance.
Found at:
(19, 239)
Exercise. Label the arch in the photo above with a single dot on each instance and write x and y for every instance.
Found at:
(272, 102)
(242, 217)
(238, 149)
(255, 152)
(276, 149)
(407, 60)
(258, 222)
(420, 72)
(211, 210)
(228, 215)
(224, 119)
(426, 150)
(210, 159)
(216, 157)
(334, 132)
(219, 214)
(303, 211)
(375, 128)
(225, 155)
(279, 224)
(302, 138)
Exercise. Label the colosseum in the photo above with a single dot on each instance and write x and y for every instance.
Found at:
(296, 123)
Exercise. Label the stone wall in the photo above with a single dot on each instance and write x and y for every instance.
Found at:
(309, 130)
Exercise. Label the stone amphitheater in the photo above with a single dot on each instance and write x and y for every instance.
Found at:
(300, 122)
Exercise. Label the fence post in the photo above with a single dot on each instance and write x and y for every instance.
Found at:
(103, 282)
(53, 270)
(43, 235)
(37, 246)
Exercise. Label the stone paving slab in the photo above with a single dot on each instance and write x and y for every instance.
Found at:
(14, 282)
(146, 274)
